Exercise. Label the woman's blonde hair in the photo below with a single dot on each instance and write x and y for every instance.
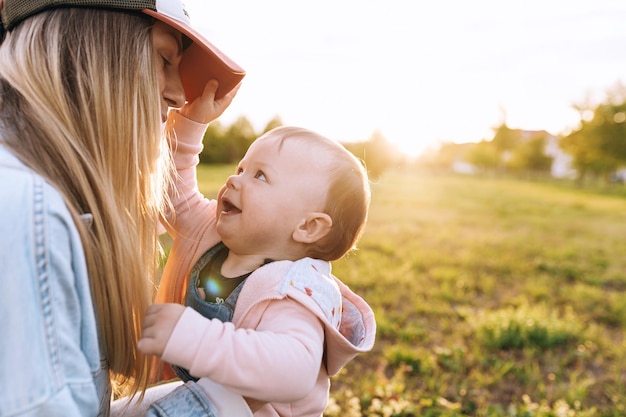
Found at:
(348, 198)
(81, 106)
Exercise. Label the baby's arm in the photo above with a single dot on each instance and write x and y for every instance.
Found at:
(192, 221)
(277, 362)
(184, 130)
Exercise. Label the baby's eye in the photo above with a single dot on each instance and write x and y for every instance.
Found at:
(239, 171)
(260, 176)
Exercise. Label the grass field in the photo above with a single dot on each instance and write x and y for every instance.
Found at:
(493, 297)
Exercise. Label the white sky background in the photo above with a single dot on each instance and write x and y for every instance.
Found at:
(420, 72)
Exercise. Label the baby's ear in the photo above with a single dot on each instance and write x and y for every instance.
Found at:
(313, 228)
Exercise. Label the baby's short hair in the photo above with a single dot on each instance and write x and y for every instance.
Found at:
(348, 196)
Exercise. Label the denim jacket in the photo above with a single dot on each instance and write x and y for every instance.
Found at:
(51, 363)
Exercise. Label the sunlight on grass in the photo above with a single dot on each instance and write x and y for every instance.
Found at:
(526, 326)
(493, 297)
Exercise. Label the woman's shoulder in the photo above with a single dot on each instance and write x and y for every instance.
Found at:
(49, 291)
(24, 192)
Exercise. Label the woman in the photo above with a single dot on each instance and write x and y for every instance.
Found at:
(84, 92)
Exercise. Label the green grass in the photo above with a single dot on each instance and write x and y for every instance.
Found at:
(493, 297)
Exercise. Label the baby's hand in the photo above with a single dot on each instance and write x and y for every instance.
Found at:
(158, 326)
(206, 108)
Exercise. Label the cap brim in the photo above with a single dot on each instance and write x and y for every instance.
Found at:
(202, 61)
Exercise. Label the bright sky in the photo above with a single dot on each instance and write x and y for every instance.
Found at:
(420, 72)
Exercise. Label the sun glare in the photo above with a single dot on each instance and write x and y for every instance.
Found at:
(441, 74)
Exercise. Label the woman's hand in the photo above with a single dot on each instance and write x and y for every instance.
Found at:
(158, 326)
(206, 108)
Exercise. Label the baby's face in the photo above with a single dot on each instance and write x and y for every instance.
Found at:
(275, 186)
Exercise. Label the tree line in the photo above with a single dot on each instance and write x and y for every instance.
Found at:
(597, 146)
(227, 144)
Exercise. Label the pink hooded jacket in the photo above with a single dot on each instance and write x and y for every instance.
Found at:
(283, 343)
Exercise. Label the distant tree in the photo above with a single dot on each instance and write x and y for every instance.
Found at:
(505, 139)
(239, 136)
(530, 155)
(377, 153)
(227, 145)
(587, 155)
(610, 130)
(215, 148)
(275, 122)
(483, 155)
(598, 145)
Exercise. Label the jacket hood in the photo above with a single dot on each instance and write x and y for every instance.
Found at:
(355, 332)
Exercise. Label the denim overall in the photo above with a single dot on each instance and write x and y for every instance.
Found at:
(221, 311)
(189, 400)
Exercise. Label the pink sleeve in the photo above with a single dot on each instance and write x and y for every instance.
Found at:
(278, 362)
(185, 139)
(192, 224)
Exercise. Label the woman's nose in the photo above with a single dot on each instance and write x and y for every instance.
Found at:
(174, 94)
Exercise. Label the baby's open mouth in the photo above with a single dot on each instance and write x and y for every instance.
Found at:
(229, 207)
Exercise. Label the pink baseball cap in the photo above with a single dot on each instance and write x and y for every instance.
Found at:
(201, 60)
